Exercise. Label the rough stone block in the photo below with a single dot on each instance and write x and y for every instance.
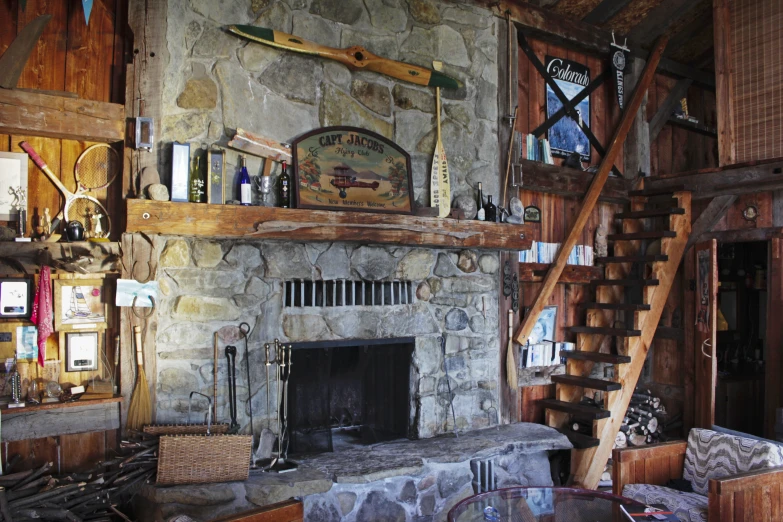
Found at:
(198, 308)
(176, 254)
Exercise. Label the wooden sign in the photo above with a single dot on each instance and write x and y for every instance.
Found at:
(347, 168)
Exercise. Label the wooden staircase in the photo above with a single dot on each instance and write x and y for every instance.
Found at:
(616, 315)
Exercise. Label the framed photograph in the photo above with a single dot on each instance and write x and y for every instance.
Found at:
(16, 297)
(544, 330)
(13, 175)
(565, 136)
(180, 171)
(26, 343)
(532, 214)
(80, 304)
(81, 351)
(347, 168)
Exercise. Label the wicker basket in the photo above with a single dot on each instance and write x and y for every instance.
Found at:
(201, 459)
(185, 429)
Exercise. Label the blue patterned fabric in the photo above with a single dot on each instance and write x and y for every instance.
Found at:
(713, 455)
(688, 507)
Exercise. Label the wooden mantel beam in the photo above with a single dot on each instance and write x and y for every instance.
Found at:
(38, 114)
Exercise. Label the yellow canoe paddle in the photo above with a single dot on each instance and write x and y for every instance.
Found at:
(440, 183)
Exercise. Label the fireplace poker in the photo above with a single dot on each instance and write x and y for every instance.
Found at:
(244, 329)
(266, 441)
(286, 431)
(442, 341)
(231, 354)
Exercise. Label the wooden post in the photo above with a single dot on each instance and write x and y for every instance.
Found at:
(721, 21)
(637, 146)
(591, 198)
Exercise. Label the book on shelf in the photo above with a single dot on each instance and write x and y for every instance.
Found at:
(539, 252)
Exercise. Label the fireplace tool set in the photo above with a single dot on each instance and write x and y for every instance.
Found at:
(263, 457)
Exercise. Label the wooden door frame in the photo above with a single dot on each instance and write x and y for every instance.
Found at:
(704, 357)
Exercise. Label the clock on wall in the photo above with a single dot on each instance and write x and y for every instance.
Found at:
(750, 213)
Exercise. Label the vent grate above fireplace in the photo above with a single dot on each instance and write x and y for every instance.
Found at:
(343, 292)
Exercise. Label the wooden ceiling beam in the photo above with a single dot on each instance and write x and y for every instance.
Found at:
(658, 20)
(552, 27)
(604, 11)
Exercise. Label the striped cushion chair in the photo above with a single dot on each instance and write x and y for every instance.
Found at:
(717, 465)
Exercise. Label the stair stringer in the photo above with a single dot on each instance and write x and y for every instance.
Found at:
(587, 465)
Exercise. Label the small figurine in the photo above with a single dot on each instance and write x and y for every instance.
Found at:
(47, 222)
(601, 248)
(96, 230)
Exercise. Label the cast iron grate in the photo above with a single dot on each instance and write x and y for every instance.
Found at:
(300, 293)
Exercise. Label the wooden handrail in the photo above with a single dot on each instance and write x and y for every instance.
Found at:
(591, 197)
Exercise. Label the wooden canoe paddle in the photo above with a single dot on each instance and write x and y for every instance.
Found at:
(440, 183)
(511, 365)
(353, 57)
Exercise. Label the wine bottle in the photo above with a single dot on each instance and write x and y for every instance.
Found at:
(245, 192)
(284, 188)
(490, 211)
(480, 214)
(198, 185)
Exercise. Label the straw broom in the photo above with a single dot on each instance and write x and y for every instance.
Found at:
(140, 409)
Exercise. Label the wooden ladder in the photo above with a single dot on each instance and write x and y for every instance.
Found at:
(616, 314)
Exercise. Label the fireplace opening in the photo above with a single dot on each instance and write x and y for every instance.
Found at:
(346, 393)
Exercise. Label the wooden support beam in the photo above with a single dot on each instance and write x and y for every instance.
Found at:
(709, 217)
(657, 122)
(745, 235)
(37, 114)
(591, 198)
(724, 95)
(745, 178)
(604, 11)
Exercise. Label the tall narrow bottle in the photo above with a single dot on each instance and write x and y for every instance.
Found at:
(245, 192)
(284, 188)
(480, 215)
(490, 211)
(198, 184)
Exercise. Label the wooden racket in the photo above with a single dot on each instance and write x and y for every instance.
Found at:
(78, 207)
(96, 168)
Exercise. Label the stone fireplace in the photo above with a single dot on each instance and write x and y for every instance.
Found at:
(341, 295)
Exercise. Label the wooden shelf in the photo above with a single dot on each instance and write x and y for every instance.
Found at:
(59, 116)
(30, 408)
(572, 274)
(60, 418)
(200, 219)
(563, 181)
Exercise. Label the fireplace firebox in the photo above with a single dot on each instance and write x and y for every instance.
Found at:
(344, 393)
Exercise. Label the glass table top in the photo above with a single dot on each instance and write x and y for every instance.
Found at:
(543, 505)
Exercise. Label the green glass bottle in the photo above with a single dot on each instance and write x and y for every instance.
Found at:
(198, 183)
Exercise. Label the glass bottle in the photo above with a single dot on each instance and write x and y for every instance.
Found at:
(481, 213)
(245, 192)
(490, 211)
(284, 188)
(198, 185)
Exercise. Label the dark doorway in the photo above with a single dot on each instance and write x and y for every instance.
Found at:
(742, 346)
(349, 392)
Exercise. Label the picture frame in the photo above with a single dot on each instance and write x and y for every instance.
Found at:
(82, 351)
(13, 174)
(532, 214)
(544, 329)
(180, 172)
(80, 304)
(348, 168)
(565, 136)
(16, 298)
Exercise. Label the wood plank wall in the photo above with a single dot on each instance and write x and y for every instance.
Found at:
(674, 150)
(73, 57)
(90, 62)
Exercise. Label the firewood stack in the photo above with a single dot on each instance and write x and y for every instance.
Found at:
(645, 420)
(96, 495)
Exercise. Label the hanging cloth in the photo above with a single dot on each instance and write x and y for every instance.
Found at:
(43, 313)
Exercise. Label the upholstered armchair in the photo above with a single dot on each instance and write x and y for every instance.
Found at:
(734, 479)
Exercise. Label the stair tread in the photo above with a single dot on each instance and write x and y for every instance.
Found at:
(574, 408)
(655, 234)
(617, 306)
(608, 358)
(652, 212)
(580, 440)
(619, 332)
(632, 259)
(587, 382)
(657, 191)
(625, 282)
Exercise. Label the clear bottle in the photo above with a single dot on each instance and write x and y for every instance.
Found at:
(245, 191)
(490, 211)
(284, 188)
(481, 213)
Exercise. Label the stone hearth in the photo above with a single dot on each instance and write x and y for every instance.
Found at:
(400, 481)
